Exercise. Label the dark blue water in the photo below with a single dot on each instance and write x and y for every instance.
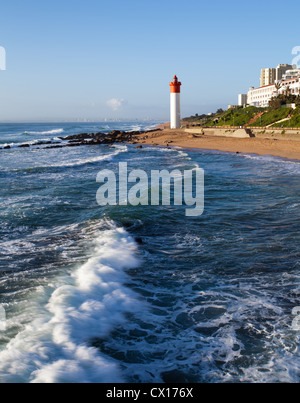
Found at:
(145, 294)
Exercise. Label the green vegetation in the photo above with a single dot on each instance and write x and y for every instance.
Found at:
(234, 117)
(254, 117)
(272, 116)
(282, 100)
(293, 122)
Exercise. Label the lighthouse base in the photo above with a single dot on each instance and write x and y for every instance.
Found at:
(175, 111)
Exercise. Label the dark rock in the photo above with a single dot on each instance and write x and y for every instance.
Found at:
(73, 145)
(116, 136)
(48, 148)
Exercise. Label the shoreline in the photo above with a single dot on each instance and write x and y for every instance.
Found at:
(232, 140)
(284, 148)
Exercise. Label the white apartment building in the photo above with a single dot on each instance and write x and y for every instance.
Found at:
(260, 97)
(285, 79)
(291, 74)
(291, 86)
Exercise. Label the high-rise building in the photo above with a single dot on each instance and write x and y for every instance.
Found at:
(268, 77)
(281, 69)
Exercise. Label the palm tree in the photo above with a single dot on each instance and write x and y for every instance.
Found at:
(288, 91)
(278, 86)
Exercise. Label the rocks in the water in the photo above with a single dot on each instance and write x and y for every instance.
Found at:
(139, 240)
(115, 136)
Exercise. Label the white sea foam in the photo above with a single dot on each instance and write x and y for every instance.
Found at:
(151, 126)
(53, 346)
(136, 128)
(54, 131)
(83, 161)
(32, 143)
(282, 164)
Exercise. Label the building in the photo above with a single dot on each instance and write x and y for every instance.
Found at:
(267, 77)
(260, 97)
(291, 86)
(271, 75)
(290, 74)
(242, 99)
(285, 79)
(281, 69)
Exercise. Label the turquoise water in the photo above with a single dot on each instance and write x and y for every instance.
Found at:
(145, 294)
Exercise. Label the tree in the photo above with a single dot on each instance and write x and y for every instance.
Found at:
(278, 86)
(283, 99)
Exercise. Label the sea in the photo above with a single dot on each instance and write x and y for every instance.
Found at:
(145, 294)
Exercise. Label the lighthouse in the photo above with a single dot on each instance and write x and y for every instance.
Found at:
(175, 103)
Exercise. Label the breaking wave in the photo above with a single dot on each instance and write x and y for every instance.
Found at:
(54, 346)
(47, 132)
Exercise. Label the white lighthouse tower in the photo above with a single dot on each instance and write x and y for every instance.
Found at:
(175, 103)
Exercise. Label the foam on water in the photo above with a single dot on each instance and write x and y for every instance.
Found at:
(47, 132)
(53, 345)
(60, 159)
(211, 300)
(227, 333)
(33, 142)
(107, 157)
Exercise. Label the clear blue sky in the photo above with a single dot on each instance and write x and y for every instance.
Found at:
(70, 59)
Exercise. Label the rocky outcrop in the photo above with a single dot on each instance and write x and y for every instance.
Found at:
(90, 139)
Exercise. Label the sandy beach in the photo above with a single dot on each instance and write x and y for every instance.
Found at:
(285, 146)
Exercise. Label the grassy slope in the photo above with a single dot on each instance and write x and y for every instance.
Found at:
(242, 117)
(293, 122)
(234, 117)
(272, 116)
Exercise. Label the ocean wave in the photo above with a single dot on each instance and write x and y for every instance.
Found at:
(106, 157)
(33, 142)
(136, 128)
(292, 166)
(54, 346)
(151, 127)
(66, 161)
(47, 132)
